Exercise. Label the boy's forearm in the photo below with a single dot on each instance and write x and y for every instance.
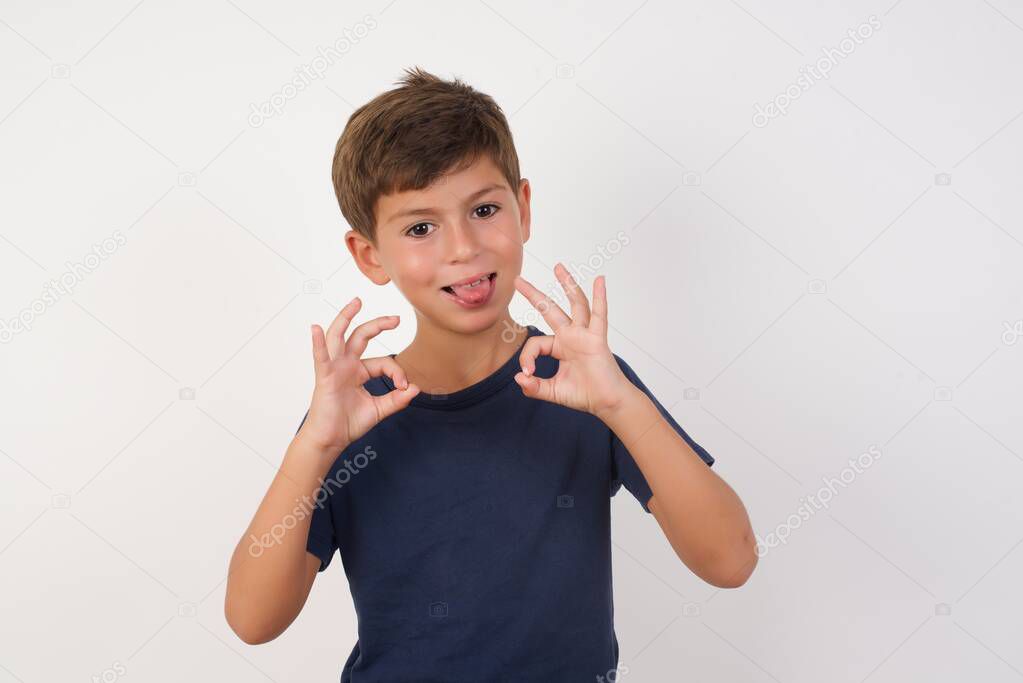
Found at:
(266, 585)
(702, 517)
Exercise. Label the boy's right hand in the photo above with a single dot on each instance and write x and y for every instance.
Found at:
(342, 410)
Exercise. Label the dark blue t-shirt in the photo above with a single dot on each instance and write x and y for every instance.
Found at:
(474, 529)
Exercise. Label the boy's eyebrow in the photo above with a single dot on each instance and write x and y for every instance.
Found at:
(474, 195)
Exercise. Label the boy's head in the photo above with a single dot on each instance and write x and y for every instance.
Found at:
(428, 179)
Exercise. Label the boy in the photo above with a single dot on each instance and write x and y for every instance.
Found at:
(472, 519)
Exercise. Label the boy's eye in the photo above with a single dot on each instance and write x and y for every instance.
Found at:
(494, 208)
(413, 231)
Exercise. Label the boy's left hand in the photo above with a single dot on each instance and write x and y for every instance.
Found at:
(588, 377)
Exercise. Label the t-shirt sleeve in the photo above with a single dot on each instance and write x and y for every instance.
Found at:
(624, 469)
(322, 541)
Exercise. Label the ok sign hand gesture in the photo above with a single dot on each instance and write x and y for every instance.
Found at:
(342, 410)
(588, 377)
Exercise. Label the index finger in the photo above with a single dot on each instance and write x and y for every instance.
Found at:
(551, 312)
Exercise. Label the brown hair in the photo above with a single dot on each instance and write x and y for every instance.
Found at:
(406, 138)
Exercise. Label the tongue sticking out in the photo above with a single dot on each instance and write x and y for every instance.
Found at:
(473, 295)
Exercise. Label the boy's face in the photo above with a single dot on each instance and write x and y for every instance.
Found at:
(463, 225)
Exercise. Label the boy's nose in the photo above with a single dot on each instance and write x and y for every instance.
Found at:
(464, 244)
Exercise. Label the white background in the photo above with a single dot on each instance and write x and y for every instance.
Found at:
(812, 282)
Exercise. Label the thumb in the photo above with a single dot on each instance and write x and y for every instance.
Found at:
(395, 400)
(536, 387)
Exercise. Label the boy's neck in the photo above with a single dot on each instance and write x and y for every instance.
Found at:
(442, 361)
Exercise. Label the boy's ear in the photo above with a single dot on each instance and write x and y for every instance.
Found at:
(524, 212)
(365, 255)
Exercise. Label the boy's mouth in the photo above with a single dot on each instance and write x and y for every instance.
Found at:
(472, 291)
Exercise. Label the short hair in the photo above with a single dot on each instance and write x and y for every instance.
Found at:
(406, 138)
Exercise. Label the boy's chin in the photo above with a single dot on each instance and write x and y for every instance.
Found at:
(451, 316)
(470, 322)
